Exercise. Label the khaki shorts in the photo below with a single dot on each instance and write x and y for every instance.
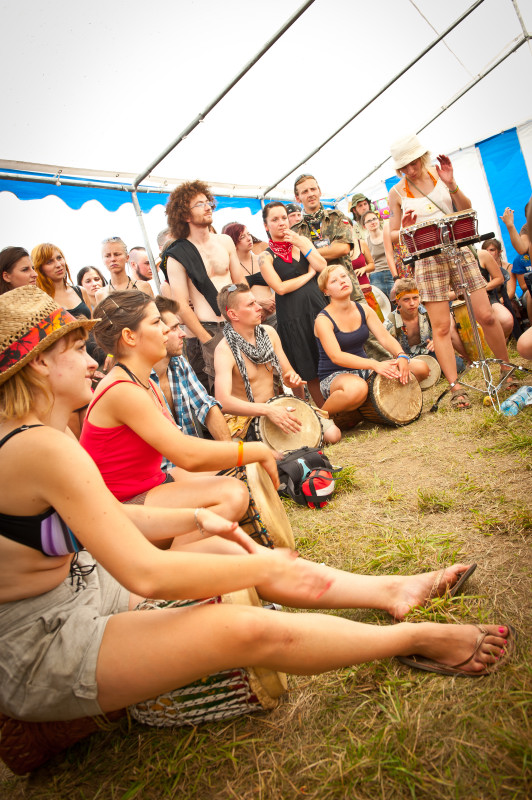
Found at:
(435, 274)
(49, 647)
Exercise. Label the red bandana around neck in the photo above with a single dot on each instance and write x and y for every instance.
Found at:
(282, 249)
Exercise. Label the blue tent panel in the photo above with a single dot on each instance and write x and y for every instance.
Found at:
(75, 196)
(508, 179)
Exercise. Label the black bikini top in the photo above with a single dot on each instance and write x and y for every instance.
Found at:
(44, 532)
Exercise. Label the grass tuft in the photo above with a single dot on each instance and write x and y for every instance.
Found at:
(432, 502)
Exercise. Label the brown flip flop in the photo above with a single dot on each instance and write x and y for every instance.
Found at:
(426, 664)
(453, 590)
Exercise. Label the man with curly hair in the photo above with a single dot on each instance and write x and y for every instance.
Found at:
(199, 263)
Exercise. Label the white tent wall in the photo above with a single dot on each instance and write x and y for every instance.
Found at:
(79, 233)
(93, 94)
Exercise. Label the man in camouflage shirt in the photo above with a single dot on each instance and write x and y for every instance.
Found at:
(328, 229)
(331, 233)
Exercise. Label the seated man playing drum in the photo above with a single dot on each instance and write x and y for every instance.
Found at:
(426, 193)
(342, 329)
(410, 324)
(248, 362)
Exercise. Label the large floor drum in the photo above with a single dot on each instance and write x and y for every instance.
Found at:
(309, 435)
(390, 402)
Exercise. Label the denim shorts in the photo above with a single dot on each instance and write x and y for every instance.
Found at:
(325, 384)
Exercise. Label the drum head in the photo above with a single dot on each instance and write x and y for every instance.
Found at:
(434, 371)
(397, 402)
(382, 300)
(309, 435)
(269, 506)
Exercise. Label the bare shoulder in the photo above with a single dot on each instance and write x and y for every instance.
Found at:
(265, 258)
(225, 240)
(145, 287)
(223, 350)
(272, 333)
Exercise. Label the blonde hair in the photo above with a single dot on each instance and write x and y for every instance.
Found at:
(323, 277)
(19, 394)
(425, 162)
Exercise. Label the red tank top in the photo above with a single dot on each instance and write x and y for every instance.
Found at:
(128, 464)
(356, 263)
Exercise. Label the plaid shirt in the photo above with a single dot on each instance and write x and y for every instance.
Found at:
(188, 394)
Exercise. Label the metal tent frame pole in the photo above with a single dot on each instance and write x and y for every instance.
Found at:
(405, 69)
(444, 108)
(196, 121)
(201, 116)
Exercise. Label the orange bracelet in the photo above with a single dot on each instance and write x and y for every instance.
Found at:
(240, 453)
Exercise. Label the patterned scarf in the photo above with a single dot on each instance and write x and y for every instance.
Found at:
(282, 249)
(260, 353)
(314, 220)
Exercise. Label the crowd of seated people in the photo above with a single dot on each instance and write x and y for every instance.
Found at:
(156, 429)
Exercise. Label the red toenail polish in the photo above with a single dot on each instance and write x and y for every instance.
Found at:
(505, 642)
(501, 630)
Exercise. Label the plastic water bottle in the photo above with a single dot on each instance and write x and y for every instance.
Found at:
(514, 404)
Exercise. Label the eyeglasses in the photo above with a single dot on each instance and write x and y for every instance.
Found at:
(203, 203)
(112, 239)
(232, 288)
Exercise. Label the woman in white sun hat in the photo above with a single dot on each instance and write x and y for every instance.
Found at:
(425, 192)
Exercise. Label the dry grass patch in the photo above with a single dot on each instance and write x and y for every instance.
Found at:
(451, 487)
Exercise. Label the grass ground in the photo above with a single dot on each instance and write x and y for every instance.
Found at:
(452, 486)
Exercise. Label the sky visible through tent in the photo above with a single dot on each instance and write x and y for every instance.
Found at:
(106, 87)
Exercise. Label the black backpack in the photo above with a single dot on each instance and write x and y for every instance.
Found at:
(306, 476)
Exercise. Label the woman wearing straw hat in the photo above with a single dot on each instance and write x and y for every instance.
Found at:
(70, 646)
(428, 192)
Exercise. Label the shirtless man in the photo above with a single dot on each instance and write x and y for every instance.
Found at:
(199, 264)
(244, 389)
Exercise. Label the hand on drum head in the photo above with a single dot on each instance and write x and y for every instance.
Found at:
(268, 461)
(388, 368)
(409, 218)
(404, 370)
(283, 418)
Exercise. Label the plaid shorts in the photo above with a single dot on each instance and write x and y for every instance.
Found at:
(435, 274)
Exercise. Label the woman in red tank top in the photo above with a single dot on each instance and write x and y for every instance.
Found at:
(127, 428)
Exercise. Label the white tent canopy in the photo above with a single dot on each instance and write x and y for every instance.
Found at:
(100, 91)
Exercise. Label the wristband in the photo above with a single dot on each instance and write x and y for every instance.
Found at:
(403, 355)
(198, 523)
(453, 191)
(240, 453)
(309, 252)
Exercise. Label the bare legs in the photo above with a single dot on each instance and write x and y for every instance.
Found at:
(226, 496)
(440, 320)
(145, 653)
(347, 393)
